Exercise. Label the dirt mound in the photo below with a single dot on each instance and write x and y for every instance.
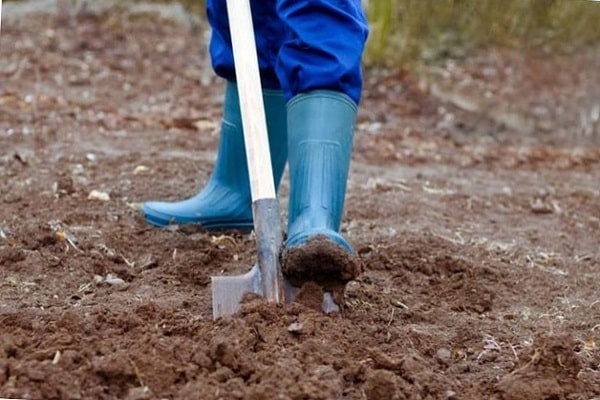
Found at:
(551, 372)
(428, 260)
(474, 238)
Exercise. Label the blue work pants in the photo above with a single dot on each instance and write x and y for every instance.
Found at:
(302, 45)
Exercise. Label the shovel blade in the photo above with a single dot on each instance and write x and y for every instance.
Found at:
(265, 277)
(228, 291)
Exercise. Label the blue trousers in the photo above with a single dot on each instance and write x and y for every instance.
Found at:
(302, 45)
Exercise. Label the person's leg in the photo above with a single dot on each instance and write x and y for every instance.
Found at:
(269, 33)
(225, 202)
(323, 46)
(319, 66)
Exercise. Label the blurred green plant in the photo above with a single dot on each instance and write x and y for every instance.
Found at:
(407, 31)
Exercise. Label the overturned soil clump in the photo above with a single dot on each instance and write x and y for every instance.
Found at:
(321, 260)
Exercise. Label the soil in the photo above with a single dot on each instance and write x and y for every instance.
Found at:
(473, 203)
(322, 260)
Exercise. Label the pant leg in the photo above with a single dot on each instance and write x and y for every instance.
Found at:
(323, 46)
(269, 32)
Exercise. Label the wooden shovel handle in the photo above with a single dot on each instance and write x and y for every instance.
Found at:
(267, 217)
(251, 101)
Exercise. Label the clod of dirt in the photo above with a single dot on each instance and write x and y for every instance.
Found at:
(64, 186)
(310, 295)
(550, 373)
(382, 384)
(321, 260)
(114, 370)
(230, 355)
(9, 255)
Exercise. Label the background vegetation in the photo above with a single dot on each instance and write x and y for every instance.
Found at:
(427, 30)
(423, 31)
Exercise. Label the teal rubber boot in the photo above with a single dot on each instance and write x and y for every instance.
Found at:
(320, 135)
(225, 201)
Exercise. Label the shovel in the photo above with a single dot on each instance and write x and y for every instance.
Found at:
(265, 277)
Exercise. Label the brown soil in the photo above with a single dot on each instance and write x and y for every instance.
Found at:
(473, 203)
(320, 259)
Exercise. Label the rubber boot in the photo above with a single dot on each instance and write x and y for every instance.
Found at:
(225, 201)
(320, 135)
